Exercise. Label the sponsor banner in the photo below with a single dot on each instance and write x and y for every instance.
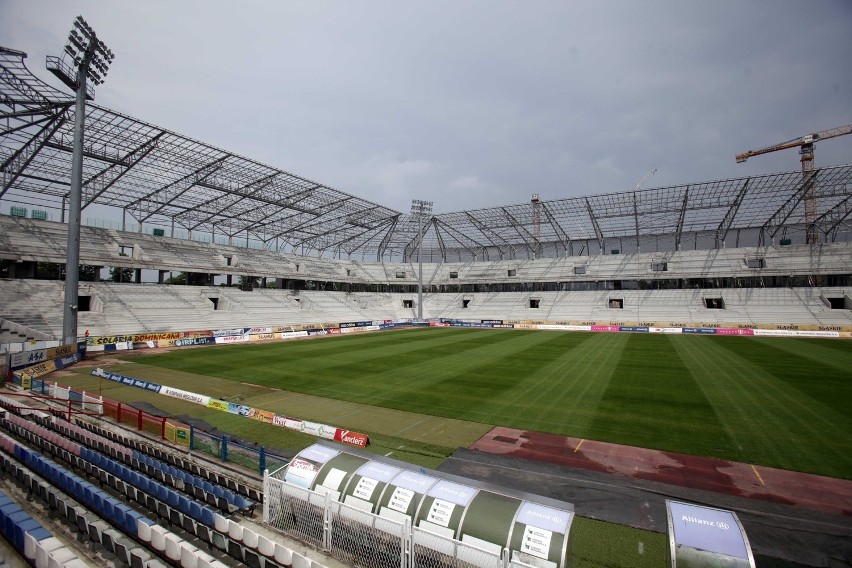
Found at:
(38, 370)
(665, 330)
(232, 338)
(527, 326)
(492, 321)
(634, 328)
(438, 324)
(25, 358)
(317, 332)
(54, 352)
(317, 429)
(156, 336)
(177, 434)
(279, 420)
(795, 333)
(261, 415)
(197, 333)
(733, 331)
(130, 381)
(606, 328)
(217, 404)
(557, 327)
(291, 334)
(539, 516)
(262, 336)
(193, 341)
(110, 339)
(699, 330)
(333, 331)
(185, 395)
(826, 327)
(240, 409)
(353, 438)
(66, 361)
(226, 332)
(301, 472)
(359, 329)
(503, 325)
(258, 330)
(356, 323)
(704, 528)
(95, 348)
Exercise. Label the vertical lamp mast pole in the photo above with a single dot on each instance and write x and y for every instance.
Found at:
(420, 208)
(86, 58)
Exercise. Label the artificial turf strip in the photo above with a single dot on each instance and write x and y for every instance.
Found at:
(776, 402)
(597, 544)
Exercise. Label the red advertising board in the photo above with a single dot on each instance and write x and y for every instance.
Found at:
(350, 437)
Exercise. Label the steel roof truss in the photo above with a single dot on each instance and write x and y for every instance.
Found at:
(21, 158)
(777, 220)
(96, 185)
(166, 195)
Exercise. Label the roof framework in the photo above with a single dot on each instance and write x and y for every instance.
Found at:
(160, 177)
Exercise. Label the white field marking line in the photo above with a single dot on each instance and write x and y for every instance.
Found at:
(407, 428)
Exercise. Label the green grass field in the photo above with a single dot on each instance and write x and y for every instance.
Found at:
(774, 402)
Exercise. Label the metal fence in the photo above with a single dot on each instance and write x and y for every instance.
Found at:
(360, 538)
(255, 458)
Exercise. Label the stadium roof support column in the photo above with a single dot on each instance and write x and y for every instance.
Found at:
(90, 59)
(440, 240)
(420, 208)
(383, 246)
(595, 226)
(636, 220)
(728, 219)
(557, 228)
(679, 229)
(835, 215)
(531, 242)
(783, 213)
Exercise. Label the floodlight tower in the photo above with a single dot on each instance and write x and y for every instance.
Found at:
(86, 58)
(420, 208)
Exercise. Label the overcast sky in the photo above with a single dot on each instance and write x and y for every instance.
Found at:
(473, 104)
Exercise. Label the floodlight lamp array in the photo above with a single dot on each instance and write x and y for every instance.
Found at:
(88, 52)
(420, 207)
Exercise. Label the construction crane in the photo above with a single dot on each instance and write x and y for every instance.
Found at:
(806, 150)
(651, 172)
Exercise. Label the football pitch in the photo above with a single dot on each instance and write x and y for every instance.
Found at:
(775, 402)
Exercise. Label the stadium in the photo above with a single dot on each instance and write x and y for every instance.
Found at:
(591, 360)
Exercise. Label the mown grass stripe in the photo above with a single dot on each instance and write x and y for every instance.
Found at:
(760, 401)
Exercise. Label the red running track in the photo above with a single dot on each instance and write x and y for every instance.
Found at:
(756, 482)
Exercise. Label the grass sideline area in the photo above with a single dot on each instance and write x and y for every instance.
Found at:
(775, 402)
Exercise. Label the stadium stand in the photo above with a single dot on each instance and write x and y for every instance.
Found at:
(552, 289)
(127, 505)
